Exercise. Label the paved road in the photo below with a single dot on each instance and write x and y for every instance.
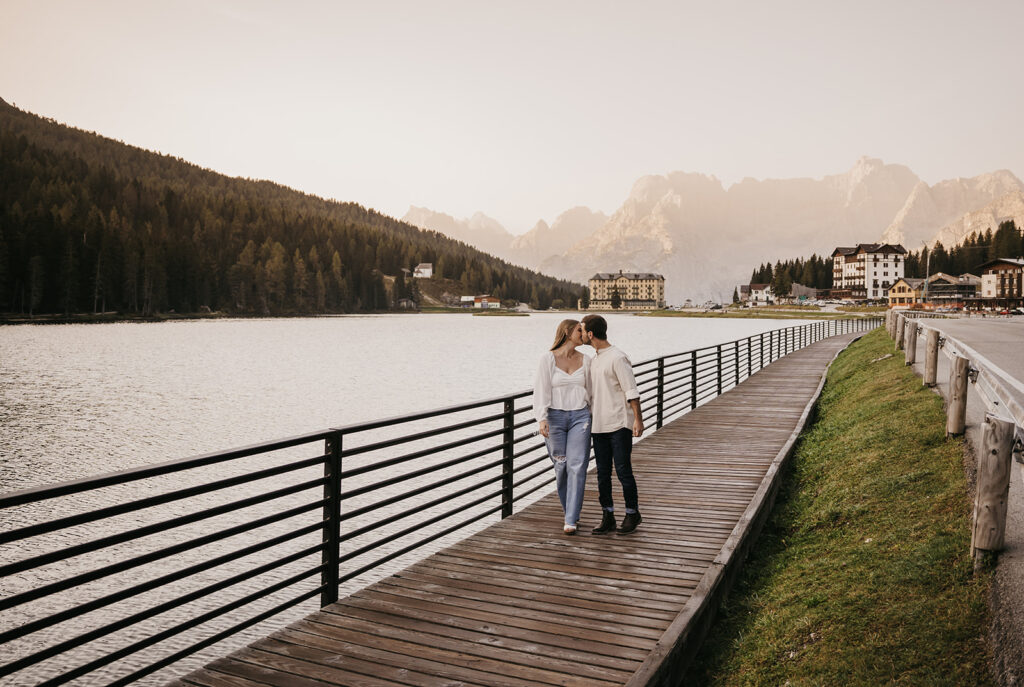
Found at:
(1000, 343)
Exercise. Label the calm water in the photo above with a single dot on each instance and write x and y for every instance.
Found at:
(78, 400)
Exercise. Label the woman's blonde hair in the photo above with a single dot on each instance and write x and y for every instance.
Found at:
(563, 332)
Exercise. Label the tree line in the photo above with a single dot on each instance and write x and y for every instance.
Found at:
(814, 272)
(1006, 241)
(89, 224)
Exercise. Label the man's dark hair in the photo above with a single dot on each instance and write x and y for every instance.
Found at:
(596, 325)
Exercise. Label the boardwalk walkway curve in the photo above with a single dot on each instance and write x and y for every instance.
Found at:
(521, 604)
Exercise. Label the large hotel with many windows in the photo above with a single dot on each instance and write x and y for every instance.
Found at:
(636, 290)
(867, 270)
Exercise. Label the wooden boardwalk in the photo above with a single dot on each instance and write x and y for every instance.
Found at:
(521, 604)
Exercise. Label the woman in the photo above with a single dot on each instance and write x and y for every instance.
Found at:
(561, 403)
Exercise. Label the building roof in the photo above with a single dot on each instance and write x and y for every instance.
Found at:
(869, 248)
(944, 277)
(425, 265)
(912, 282)
(1016, 262)
(758, 287)
(628, 275)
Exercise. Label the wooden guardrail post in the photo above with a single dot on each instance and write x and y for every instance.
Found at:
(901, 325)
(956, 412)
(889, 315)
(910, 345)
(931, 357)
(993, 489)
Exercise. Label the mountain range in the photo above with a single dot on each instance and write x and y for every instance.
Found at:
(706, 238)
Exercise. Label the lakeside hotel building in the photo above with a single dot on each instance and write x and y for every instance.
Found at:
(867, 270)
(637, 290)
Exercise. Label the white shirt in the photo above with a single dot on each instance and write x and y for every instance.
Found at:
(556, 388)
(612, 385)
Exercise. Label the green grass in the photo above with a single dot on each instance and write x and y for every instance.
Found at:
(862, 574)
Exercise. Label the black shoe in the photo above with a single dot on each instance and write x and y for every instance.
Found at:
(607, 523)
(629, 523)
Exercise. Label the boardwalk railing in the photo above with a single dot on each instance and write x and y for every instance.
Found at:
(1002, 430)
(147, 566)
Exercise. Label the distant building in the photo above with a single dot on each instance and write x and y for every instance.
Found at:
(1002, 283)
(760, 293)
(637, 290)
(486, 302)
(866, 271)
(800, 292)
(906, 292)
(424, 270)
(946, 291)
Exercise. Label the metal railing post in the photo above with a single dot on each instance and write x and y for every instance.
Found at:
(693, 379)
(661, 392)
(749, 361)
(718, 348)
(506, 458)
(736, 346)
(760, 358)
(330, 557)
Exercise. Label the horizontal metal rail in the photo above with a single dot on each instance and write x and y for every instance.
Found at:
(351, 511)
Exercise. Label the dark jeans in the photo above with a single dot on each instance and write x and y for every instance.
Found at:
(615, 447)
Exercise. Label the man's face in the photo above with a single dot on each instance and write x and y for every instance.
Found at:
(584, 334)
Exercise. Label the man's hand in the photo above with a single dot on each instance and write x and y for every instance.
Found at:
(544, 428)
(638, 426)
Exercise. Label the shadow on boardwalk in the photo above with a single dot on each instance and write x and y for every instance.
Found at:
(522, 604)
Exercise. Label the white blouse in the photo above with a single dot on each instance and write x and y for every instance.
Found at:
(556, 388)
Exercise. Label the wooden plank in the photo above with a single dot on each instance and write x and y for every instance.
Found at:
(618, 654)
(341, 615)
(579, 665)
(331, 641)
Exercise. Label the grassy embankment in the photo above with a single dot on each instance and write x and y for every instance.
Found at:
(862, 575)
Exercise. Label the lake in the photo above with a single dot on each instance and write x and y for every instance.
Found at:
(79, 400)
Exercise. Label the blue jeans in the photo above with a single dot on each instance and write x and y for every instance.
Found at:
(615, 447)
(568, 445)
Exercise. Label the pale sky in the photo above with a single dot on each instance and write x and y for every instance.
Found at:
(525, 109)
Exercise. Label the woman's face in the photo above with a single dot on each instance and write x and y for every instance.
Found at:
(576, 335)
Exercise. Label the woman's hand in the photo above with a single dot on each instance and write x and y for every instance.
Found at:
(544, 428)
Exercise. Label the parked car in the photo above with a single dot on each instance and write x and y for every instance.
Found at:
(1017, 311)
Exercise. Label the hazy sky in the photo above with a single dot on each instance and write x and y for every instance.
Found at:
(524, 109)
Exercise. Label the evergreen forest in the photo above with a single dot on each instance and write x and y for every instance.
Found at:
(92, 225)
(1007, 241)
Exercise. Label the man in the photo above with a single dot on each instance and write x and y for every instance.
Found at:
(615, 405)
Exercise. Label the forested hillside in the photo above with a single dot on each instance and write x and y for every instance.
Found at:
(89, 224)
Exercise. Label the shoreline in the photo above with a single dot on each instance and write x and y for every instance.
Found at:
(109, 318)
